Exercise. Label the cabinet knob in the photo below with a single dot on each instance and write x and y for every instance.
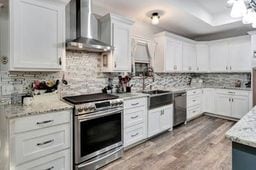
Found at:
(175, 67)
(230, 68)
(115, 64)
(197, 68)
(226, 67)
(189, 68)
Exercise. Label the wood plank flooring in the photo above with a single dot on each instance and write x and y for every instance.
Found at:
(199, 145)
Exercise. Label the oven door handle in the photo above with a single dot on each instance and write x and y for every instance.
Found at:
(94, 161)
(99, 114)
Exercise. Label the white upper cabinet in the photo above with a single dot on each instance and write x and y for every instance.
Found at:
(36, 35)
(202, 58)
(116, 30)
(189, 56)
(240, 54)
(168, 56)
(219, 56)
(231, 55)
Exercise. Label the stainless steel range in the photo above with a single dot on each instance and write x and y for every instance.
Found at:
(98, 137)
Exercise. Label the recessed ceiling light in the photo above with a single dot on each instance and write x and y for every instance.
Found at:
(1, 5)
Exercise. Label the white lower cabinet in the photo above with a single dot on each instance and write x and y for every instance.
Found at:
(194, 103)
(160, 120)
(208, 102)
(135, 121)
(43, 142)
(232, 103)
(57, 161)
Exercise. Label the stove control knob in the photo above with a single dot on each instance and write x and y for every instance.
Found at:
(85, 109)
(80, 110)
(91, 108)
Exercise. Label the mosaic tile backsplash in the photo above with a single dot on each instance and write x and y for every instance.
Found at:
(84, 76)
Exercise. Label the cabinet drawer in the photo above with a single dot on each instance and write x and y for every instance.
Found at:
(193, 112)
(38, 143)
(135, 103)
(232, 92)
(57, 161)
(134, 116)
(194, 92)
(134, 134)
(41, 121)
(193, 101)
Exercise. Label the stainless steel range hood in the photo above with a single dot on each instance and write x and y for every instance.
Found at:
(85, 40)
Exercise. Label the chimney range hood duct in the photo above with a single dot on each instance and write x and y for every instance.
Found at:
(85, 40)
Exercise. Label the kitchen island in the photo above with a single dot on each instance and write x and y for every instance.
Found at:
(243, 137)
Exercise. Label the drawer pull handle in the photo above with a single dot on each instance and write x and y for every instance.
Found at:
(194, 100)
(194, 111)
(44, 143)
(134, 117)
(44, 122)
(134, 104)
(134, 135)
(194, 92)
(50, 168)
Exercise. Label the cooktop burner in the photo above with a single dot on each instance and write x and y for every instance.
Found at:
(89, 98)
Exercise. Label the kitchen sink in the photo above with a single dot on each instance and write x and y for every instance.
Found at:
(155, 92)
(159, 98)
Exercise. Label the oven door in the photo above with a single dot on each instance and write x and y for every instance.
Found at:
(97, 133)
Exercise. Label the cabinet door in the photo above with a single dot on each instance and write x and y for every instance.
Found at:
(121, 42)
(189, 57)
(166, 118)
(240, 54)
(173, 55)
(202, 57)
(240, 106)
(38, 40)
(154, 122)
(208, 101)
(223, 104)
(219, 56)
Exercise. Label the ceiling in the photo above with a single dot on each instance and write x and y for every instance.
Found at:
(190, 18)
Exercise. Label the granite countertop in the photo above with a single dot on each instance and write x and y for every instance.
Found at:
(244, 131)
(52, 104)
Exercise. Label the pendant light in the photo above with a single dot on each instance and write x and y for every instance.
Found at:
(239, 9)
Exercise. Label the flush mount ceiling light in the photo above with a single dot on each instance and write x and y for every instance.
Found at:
(155, 18)
(1, 5)
(245, 9)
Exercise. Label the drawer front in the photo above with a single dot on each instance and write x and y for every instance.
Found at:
(134, 116)
(134, 134)
(41, 121)
(135, 103)
(194, 92)
(193, 101)
(57, 161)
(193, 112)
(233, 92)
(38, 143)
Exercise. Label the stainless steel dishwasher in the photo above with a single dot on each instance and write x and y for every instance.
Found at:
(180, 107)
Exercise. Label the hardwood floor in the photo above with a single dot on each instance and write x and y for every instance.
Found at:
(199, 145)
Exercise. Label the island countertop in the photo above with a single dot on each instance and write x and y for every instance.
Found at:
(244, 131)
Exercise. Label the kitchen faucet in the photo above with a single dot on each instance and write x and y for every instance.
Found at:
(148, 72)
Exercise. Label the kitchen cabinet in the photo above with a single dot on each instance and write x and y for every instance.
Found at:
(232, 103)
(168, 56)
(253, 48)
(226, 55)
(202, 58)
(46, 141)
(160, 120)
(188, 57)
(219, 56)
(116, 30)
(36, 35)
(208, 96)
(135, 121)
(240, 54)
(194, 103)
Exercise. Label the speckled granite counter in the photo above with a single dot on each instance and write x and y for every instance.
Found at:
(45, 106)
(244, 131)
(127, 96)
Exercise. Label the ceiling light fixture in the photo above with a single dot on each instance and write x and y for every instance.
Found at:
(155, 18)
(245, 9)
(1, 5)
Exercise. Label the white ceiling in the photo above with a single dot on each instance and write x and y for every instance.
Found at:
(191, 18)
